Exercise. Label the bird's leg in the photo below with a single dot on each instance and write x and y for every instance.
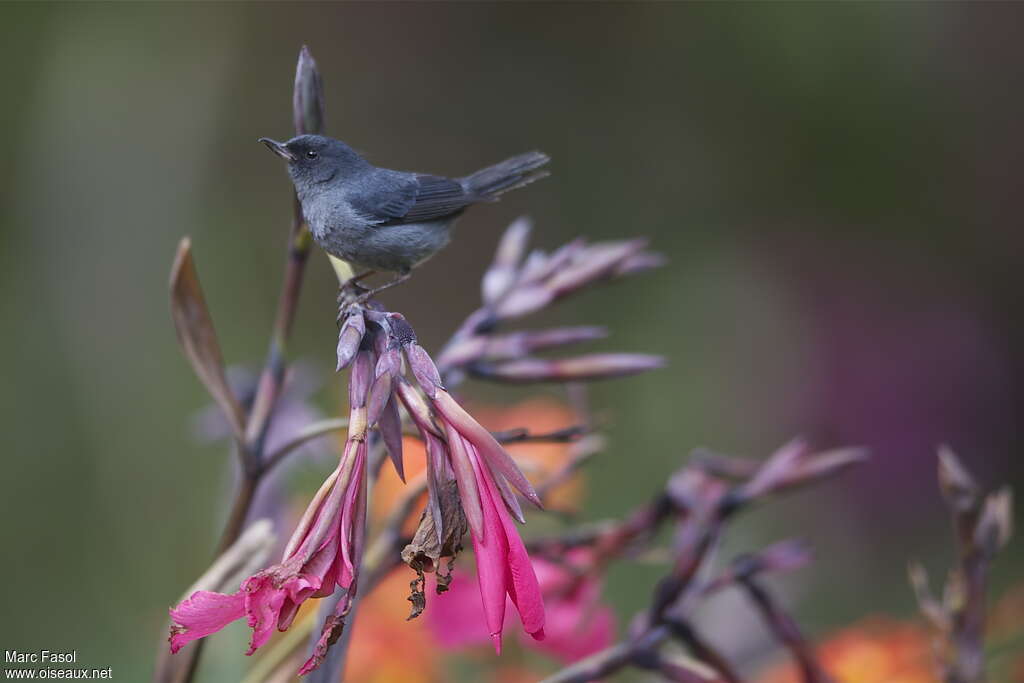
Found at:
(352, 286)
(350, 291)
(399, 279)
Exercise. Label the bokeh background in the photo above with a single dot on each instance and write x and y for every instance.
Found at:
(837, 187)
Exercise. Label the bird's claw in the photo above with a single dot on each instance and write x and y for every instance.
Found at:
(350, 294)
(353, 294)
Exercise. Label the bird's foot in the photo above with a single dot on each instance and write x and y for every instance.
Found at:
(350, 294)
(366, 295)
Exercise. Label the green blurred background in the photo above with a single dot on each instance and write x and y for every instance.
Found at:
(837, 187)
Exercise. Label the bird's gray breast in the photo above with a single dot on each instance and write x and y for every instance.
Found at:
(343, 232)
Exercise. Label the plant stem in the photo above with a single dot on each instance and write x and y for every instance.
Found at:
(308, 433)
(239, 510)
(272, 378)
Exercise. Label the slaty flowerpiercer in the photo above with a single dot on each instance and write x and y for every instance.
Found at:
(383, 220)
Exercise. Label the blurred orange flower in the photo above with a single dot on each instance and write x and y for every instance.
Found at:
(876, 650)
(389, 489)
(385, 647)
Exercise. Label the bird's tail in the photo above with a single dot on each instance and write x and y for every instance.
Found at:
(507, 175)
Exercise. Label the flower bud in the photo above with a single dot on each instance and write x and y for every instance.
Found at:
(638, 263)
(596, 262)
(955, 481)
(359, 379)
(589, 367)
(417, 408)
(523, 301)
(350, 337)
(308, 96)
(544, 266)
(390, 425)
(795, 464)
(503, 272)
(389, 365)
(995, 523)
(423, 369)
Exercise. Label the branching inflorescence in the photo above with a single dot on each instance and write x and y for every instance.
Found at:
(396, 390)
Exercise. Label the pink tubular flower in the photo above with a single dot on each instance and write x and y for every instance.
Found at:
(324, 551)
(485, 474)
(458, 448)
(503, 566)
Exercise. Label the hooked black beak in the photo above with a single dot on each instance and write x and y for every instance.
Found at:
(278, 148)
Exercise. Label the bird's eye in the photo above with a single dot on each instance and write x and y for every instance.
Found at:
(312, 154)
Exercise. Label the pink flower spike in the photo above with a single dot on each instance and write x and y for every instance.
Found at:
(203, 613)
(324, 551)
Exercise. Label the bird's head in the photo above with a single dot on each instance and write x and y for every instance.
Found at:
(316, 159)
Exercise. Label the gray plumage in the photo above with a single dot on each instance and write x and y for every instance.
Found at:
(379, 219)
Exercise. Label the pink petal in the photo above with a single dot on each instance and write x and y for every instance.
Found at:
(350, 533)
(469, 491)
(329, 635)
(507, 494)
(331, 575)
(263, 605)
(203, 613)
(346, 568)
(523, 587)
(359, 518)
(390, 425)
(485, 443)
(312, 512)
(287, 615)
(491, 561)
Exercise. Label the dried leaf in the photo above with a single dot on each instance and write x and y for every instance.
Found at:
(198, 338)
(425, 551)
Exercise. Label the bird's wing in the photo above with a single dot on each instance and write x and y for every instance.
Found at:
(411, 199)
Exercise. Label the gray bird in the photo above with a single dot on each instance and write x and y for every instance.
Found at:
(383, 220)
